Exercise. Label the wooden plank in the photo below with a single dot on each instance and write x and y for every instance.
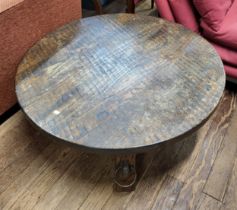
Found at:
(168, 194)
(76, 184)
(191, 149)
(11, 123)
(19, 146)
(100, 193)
(37, 177)
(189, 152)
(16, 142)
(230, 199)
(208, 203)
(10, 133)
(151, 183)
(218, 178)
(14, 137)
(94, 185)
(45, 180)
(88, 180)
(9, 174)
(196, 176)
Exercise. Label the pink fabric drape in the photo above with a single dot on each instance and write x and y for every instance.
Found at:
(216, 19)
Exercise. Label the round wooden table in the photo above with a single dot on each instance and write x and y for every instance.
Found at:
(121, 84)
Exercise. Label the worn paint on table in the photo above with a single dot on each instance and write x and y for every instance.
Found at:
(119, 82)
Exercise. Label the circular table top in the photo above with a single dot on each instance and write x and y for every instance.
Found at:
(120, 82)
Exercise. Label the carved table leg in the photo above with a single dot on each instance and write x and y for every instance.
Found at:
(125, 174)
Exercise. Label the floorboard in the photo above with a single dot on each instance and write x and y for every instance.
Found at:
(208, 203)
(168, 194)
(218, 178)
(198, 173)
(230, 199)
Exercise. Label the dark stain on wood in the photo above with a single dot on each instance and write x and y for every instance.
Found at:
(120, 82)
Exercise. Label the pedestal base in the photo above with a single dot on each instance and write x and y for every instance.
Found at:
(125, 173)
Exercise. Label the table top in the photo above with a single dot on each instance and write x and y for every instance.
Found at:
(120, 82)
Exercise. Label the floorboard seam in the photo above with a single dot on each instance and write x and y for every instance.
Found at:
(220, 148)
(229, 180)
(212, 197)
(183, 183)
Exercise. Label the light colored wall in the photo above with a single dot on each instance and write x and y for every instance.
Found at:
(7, 4)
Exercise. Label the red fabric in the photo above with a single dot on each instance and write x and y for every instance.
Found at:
(20, 27)
(183, 13)
(227, 55)
(218, 22)
(227, 33)
(230, 70)
(213, 12)
(164, 9)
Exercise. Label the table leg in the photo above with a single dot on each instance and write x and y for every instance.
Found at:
(152, 4)
(125, 173)
(98, 7)
(130, 6)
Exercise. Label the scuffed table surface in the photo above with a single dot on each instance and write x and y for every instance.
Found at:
(120, 82)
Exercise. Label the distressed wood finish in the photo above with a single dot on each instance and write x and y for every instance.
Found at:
(120, 83)
(34, 174)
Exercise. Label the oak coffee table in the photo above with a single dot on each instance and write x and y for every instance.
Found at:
(120, 84)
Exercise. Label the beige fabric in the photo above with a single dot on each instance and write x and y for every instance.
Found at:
(6, 4)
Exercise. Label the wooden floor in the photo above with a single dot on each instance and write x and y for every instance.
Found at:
(199, 172)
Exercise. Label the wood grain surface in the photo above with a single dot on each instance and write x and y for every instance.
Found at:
(120, 82)
(36, 173)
